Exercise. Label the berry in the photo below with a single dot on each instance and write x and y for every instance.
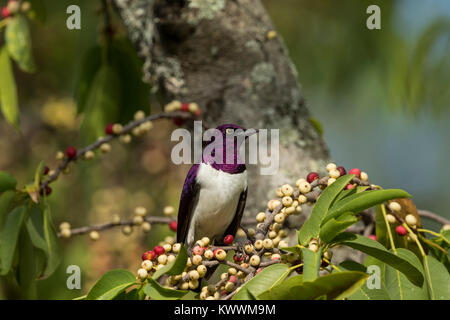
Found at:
(5, 12)
(233, 279)
(109, 128)
(71, 152)
(356, 172)
(373, 237)
(391, 219)
(46, 170)
(238, 258)
(401, 230)
(94, 235)
(395, 206)
(159, 250)
(228, 239)
(341, 170)
(334, 173)
(48, 191)
(255, 260)
(198, 250)
(287, 190)
(148, 255)
(411, 220)
(147, 265)
(350, 186)
(312, 176)
(173, 225)
(220, 254)
(184, 107)
(142, 274)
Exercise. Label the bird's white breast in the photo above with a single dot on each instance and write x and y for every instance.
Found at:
(217, 202)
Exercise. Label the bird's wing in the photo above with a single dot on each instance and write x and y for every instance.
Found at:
(189, 197)
(236, 223)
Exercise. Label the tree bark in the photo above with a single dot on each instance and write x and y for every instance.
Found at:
(218, 54)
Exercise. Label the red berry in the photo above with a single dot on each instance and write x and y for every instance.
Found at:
(198, 112)
(5, 12)
(173, 225)
(224, 292)
(46, 170)
(228, 239)
(71, 152)
(401, 230)
(232, 279)
(158, 250)
(149, 255)
(238, 258)
(341, 170)
(373, 237)
(198, 250)
(109, 128)
(349, 186)
(356, 172)
(48, 191)
(185, 107)
(312, 176)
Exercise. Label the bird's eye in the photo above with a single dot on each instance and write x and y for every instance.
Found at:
(229, 131)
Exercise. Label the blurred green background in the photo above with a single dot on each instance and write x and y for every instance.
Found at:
(381, 96)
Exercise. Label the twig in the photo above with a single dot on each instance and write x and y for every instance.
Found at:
(433, 216)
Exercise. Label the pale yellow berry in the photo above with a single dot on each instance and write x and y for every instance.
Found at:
(232, 271)
(276, 241)
(298, 210)
(176, 247)
(25, 7)
(279, 218)
(276, 227)
(283, 244)
(197, 259)
(395, 206)
(229, 286)
(142, 274)
(170, 258)
(260, 217)
(272, 34)
(138, 220)
(287, 201)
(140, 211)
(279, 193)
(304, 187)
(302, 199)
(139, 115)
(64, 225)
(283, 233)
(331, 181)
(201, 269)
(188, 262)
(203, 295)
(136, 131)
(193, 107)
(251, 231)
(147, 265)
(220, 254)
(272, 234)
(146, 126)
(89, 155)
(169, 210)
(59, 155)
(240, 233)
(205, 241)
(172, 106)
(290, 210)
(105, 148)
(272, 204)
(224, 275)
(328, 255)
(167, 247)
(334, 173)
(248, 248)
(299, 182)
(276, 256)
(126, 138)
(146, 226)
(194, 275)
(331, 166)
(411, 220)
(127, 230)
(258, 244)
(268, 244)
(184, 286)
(287, 190)
(162, 259)
(94, 235)
(364, 176)
(255, 260)
(66, 233)
(446, 227)
(117, 128)
(391, 219)
(200, 243)
(51, 173)
(313, 246)
(208, 254)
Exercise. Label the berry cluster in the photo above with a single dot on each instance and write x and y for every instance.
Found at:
(14, 7)
(176, 105)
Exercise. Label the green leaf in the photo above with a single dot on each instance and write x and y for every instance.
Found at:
(18, 42)
(9, 237)
(364, 200)
(157, 292)
(335, 286)
(26, 275)
(311, 227)
(102, 106)
(52, 244)
(364, 293)
(398, 285)
(174, 268)
(8, 91)
(6, 200)
(111, 284)
(375, 249)
(263, 281)
(311, 264)
(7, 181)
(439, 280)
(334, 226)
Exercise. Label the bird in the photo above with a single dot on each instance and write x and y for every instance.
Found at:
(213, 198)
